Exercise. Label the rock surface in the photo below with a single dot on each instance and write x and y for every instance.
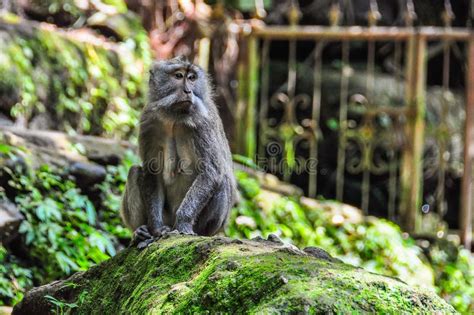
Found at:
(185, 274)
(10, 219)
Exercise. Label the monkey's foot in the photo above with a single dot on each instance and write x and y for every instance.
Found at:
(185, 229)
(170, 233)
(162, 230)
(141, 234)
(141, 237)
(174, 233)
(177, 232)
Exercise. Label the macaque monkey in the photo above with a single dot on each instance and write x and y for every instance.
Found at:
(186, 182)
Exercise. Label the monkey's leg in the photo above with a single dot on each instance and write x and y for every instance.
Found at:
(214, 216)
(196, 198)
(154, 198)
(133, 211)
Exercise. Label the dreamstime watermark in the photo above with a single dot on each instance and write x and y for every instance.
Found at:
(273, 161)
(173, 165)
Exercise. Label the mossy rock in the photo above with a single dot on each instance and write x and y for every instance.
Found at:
(190, 275)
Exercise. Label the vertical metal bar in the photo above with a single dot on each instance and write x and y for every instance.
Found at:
(317, 71)
(292, 70)
(392, 185)
(412, 164)
(467, 186)
(288, 138)
(365, 186)
(442, 134)
(370, 72)
(442, 130)
(242, 71)
(341, 151)
(368, 148)
(392, 181)
(251, 110)
(264, 97)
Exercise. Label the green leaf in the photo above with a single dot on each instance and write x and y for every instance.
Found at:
(91, 213)
(5, 148)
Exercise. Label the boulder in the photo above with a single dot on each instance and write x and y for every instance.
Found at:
(189, 275)
(10, 219)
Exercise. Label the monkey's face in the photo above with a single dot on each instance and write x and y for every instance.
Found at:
(178, 89)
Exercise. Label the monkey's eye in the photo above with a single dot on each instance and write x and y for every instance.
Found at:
(178, 75)
(192, 77)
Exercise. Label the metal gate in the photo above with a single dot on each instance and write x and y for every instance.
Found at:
(364, 147)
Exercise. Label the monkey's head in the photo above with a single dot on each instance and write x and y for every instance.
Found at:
(179, 91)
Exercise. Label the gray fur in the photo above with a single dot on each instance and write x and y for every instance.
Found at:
(186, 182)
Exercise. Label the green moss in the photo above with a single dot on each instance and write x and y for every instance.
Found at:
(377, 245)
(186, 275)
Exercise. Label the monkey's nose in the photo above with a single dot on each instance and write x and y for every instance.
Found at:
(188, 96)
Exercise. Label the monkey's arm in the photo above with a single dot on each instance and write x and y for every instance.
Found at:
(154, 199)
(196, 198)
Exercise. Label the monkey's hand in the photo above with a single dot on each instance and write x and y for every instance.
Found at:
(185, 228)
(141, 234)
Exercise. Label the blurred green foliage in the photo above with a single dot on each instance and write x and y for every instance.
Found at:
(454, 270)
(82, 87)
(63, 231)
(14, 279)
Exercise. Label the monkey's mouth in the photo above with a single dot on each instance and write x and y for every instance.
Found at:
(182, 107)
